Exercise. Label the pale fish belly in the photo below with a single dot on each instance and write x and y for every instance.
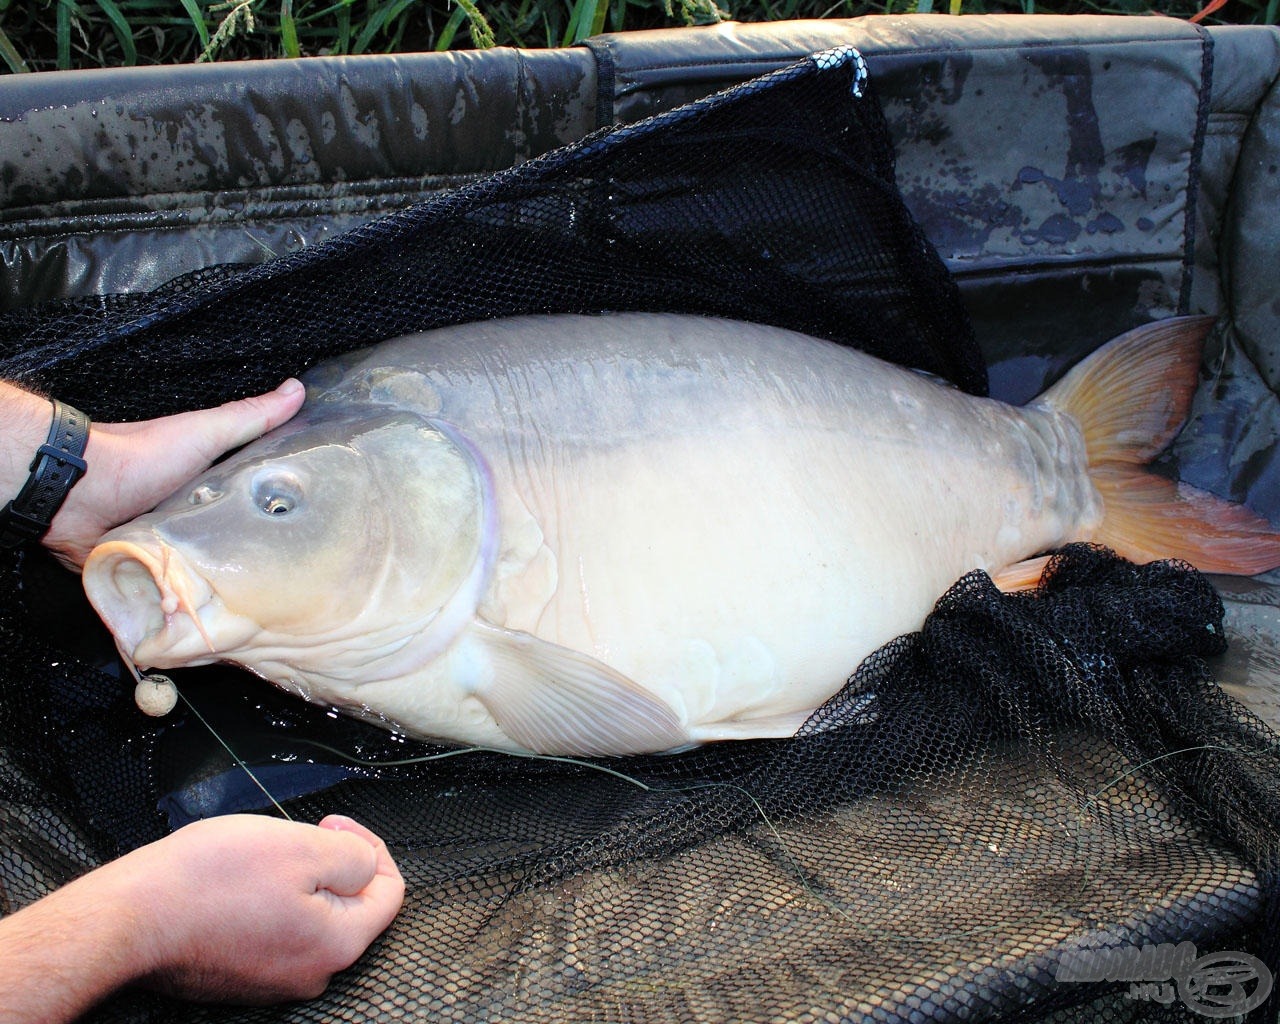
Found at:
(741, 556)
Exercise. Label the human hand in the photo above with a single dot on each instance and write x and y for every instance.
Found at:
(250, 909)
(134, 466)
(240, 908)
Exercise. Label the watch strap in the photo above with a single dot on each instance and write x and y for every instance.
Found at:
(57, 465)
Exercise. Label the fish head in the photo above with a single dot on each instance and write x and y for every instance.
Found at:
(312, 552)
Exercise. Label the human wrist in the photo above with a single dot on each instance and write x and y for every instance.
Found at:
(146, 929)
(56, 465)
(121, 914)
(24, 422)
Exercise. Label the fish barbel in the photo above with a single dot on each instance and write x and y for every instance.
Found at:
(636, 532)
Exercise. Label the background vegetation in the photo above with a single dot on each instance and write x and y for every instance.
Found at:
(44, 34)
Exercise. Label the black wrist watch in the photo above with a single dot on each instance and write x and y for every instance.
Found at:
(58, 464)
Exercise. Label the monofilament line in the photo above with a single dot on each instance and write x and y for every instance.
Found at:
(235, 757)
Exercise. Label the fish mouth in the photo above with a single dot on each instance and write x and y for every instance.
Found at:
(151, 601)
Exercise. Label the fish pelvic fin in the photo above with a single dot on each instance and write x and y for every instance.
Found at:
(1021, 576)
(1130, 398)
(551, 700)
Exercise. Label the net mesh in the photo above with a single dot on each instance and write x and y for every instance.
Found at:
(1028, 776)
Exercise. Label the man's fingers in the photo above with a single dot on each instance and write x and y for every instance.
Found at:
(351, 833)
(346, 863)
(204, 434)
(132, 466)
(377, 900)
(235, 423)
(341, 823)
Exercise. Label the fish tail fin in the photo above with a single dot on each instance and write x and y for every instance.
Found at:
(1130, 399)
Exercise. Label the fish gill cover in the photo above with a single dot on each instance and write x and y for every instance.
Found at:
(1030, 780)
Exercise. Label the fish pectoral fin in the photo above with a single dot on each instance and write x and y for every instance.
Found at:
(552, 700)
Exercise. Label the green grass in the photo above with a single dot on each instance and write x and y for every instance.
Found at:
(39, 35)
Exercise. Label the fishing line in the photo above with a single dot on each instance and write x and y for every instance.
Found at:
(561, 759)
(234, 756)
(796, 869)
(802, 877)
(592, 765)
(1093, 801)
(1130, 772)
(166, 684)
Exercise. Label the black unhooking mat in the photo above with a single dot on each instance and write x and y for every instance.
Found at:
(992, 819)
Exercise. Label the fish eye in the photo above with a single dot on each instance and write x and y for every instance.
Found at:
(277, 505)
(277, 494)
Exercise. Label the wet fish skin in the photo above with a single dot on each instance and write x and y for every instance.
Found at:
(603, 535)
